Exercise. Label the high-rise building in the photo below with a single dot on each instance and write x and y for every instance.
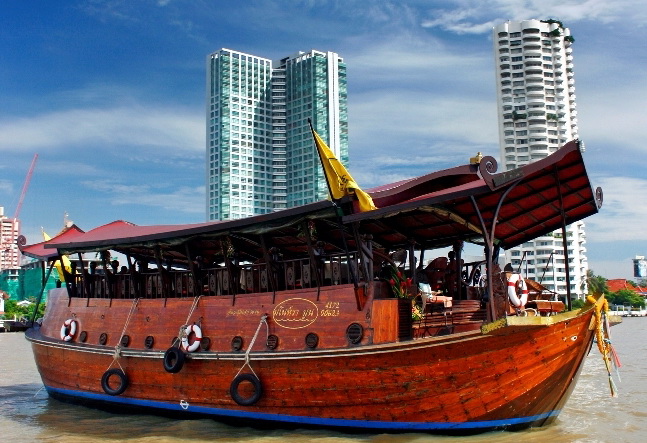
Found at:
(537, 115)
(9, 231)
(260, 153)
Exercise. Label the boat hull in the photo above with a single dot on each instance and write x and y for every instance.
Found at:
(517, 373)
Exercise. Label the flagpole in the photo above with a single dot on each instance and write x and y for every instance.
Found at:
(323, 168)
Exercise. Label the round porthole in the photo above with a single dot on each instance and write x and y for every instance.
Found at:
(83, 336)
(237, 343)
(354, 333)
(103, 338)
(125, 340)
(149, 342)
(312, 340)
(272, 342)
(205, 343)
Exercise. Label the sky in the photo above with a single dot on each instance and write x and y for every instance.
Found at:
(111, 96)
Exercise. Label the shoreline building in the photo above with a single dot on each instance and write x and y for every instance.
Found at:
(9, 231)
(10, 255)
(260, 153)
(536, 116)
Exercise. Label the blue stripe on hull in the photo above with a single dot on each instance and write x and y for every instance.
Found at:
(307, 421)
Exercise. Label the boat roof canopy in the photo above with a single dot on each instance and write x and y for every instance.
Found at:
(40, 252)
(435, 210)
(513, 207)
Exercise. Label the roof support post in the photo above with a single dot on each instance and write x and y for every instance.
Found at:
(42, 289)
(564, 242)
(413, 265)
(105, 255)
(313, 260)
(197, 287)
(269, 268)
(488, 236)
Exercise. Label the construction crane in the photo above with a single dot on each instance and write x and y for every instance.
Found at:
(8, 244)
(25, 186)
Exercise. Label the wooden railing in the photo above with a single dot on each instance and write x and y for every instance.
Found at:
(281, 275)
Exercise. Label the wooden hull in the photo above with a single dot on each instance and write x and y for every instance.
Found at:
(517, 373)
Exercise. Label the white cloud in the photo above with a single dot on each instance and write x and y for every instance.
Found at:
(396, 118)
(112, 127)
(182, 199)
(613, 113)
(6, 187)
(622, 216)
(476, 16)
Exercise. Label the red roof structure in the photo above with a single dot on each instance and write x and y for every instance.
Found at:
(618, 284)
(38, 250)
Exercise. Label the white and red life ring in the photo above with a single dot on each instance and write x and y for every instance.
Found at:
(68, 330)
(515, 300)
(185, 339)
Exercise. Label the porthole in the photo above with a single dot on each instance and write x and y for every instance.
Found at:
(272, 342)
(312, 340)
(354, 333)
(205, 343)
(237, 343)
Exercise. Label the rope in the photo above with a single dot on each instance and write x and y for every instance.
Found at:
(251, 345)
(182, 332)
(117, 353)
(603, 338)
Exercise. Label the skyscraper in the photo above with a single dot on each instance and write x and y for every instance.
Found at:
(9, 231)
(260, 154)
(537, 115)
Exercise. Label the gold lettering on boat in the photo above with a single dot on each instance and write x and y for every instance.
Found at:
(295, 313)
(243, 312)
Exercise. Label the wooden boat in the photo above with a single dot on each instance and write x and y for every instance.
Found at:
(313, 316)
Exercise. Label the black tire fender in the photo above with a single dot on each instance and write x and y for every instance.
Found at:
(246, 401)
(174, 360)
(105, 381)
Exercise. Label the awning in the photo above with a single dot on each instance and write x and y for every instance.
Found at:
(40, 252)
(528, 202)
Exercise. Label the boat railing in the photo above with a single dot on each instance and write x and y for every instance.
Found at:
(231, 279)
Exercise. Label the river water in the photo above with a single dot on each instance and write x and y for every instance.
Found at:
(27, 414)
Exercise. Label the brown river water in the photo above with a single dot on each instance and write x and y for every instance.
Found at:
(27, 414)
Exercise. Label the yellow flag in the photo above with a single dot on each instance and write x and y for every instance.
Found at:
(339, 180)
(57, 264)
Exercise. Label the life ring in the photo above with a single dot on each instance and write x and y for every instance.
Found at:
(68, 330)
(246, 401)
(173, 360)
(513, 281)
(185, 339)
(105, 381)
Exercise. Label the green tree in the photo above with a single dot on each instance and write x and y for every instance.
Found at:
(597, 284)
(626, 297)
(13, 310)
(577, 304)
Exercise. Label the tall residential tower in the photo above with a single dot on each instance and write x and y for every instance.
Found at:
(260, 153)
(537, 115)
(9, 231)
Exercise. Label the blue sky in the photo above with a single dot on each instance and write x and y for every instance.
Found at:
(110, 94)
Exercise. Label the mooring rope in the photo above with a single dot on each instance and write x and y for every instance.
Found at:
(117, 353)
(251, 345)
(182, 332)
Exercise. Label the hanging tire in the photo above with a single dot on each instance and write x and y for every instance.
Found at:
(246, 401)
(105, 381)
(173, 360)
